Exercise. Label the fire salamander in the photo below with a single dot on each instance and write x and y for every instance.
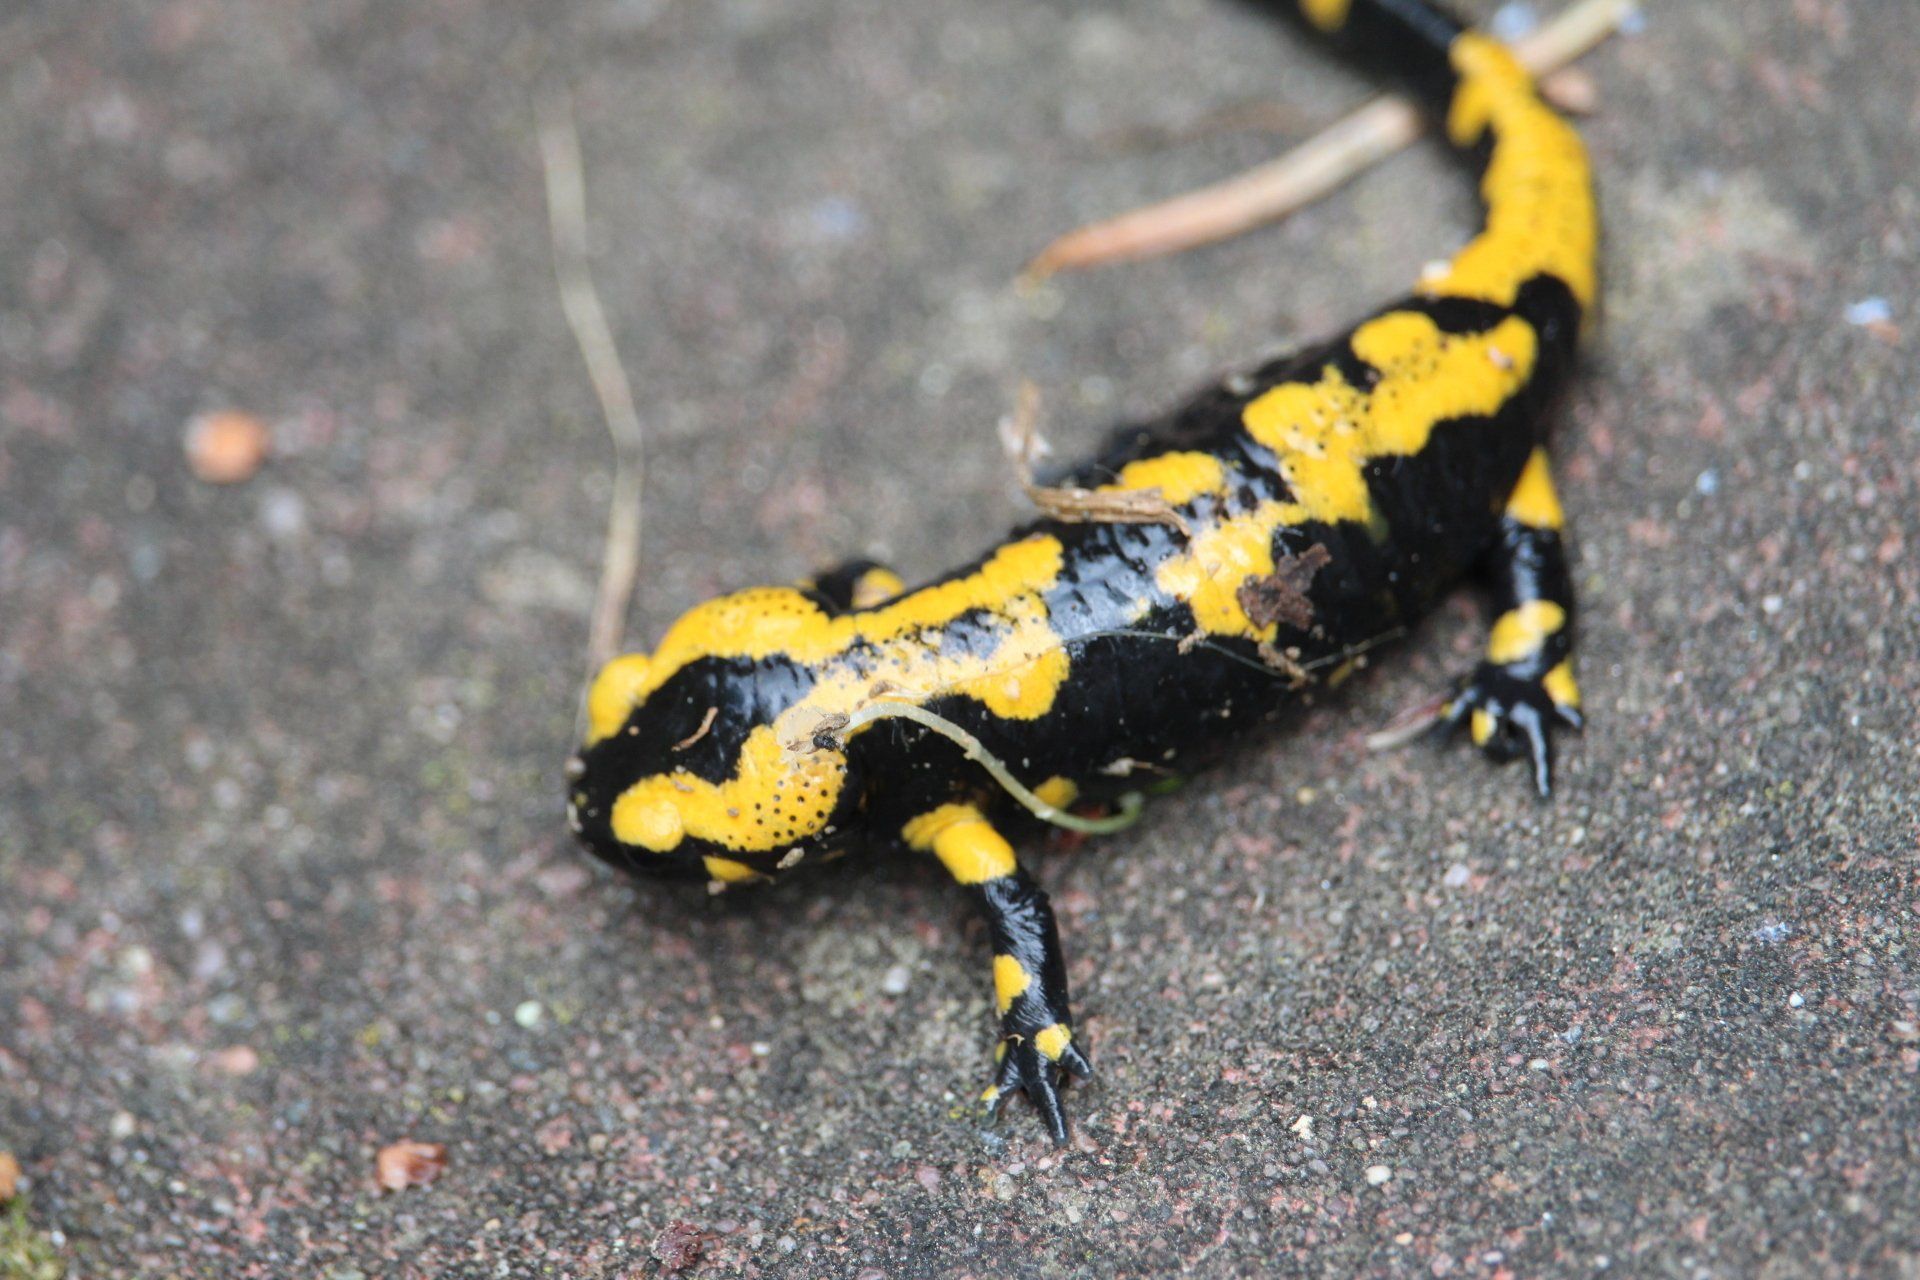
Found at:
(1295, 515)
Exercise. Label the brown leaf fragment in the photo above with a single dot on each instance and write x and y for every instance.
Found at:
(9, 1176)
(408, 1163)
(1281, 596)
(680, 1245)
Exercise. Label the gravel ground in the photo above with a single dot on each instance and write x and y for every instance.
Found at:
(283, 876)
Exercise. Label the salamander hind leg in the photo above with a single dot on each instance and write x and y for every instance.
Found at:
(1524, 688)
(1037, 1048)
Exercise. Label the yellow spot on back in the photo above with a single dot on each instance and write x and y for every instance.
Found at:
(1058, 792)
(1017, 680)
(1208, 574)
(1180, 476)
(1538, 186)
(1326, 432)
(1053, 1041)
(966, 844)
(1534, 502)
(1010, 982)
(1328, 15)
(875, 586)
(1521, 631)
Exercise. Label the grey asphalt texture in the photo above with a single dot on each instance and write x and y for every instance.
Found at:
(283, 871)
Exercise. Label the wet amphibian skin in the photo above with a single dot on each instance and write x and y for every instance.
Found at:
(1262, 536)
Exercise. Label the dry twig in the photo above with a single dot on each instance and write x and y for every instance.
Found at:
(1275, 189)
(567, 220)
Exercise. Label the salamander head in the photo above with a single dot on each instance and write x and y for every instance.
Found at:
(699, 759)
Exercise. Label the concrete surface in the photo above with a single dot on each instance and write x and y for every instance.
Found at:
(284, 872)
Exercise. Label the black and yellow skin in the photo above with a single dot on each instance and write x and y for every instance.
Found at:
(1313, 507)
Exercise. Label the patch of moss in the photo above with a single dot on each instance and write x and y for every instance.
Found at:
(25, 1252)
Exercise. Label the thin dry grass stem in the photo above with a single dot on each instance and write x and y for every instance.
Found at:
(567, 221)
(1273, 190)
(1408, 725)
(1070, 503)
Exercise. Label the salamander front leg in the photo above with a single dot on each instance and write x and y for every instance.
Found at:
(854, 584)
(1029, 972)
(1525, 687)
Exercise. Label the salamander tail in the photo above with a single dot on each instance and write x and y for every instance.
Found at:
(1407, 40)
(1536, 251)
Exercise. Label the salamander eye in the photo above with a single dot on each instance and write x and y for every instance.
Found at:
(615, 692)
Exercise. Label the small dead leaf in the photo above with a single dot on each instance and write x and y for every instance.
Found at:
(9, 1177)
(226, 447)
(1281, 596)
(408, 1163)
(680, 1245)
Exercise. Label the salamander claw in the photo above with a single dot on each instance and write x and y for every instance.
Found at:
(1026, 1068)
(1511, 714)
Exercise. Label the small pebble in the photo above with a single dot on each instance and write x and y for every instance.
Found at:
(528, 1013)
(283, 514)
(1378, 1175)
(1870, 311)
(894, 981)
(239, 1060)
(226, 447)
(1795, 1000)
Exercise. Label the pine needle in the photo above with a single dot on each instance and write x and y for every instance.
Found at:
(567, 222)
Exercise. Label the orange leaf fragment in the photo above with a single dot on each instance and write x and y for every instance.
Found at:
(408, 1163)
(226, 447)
